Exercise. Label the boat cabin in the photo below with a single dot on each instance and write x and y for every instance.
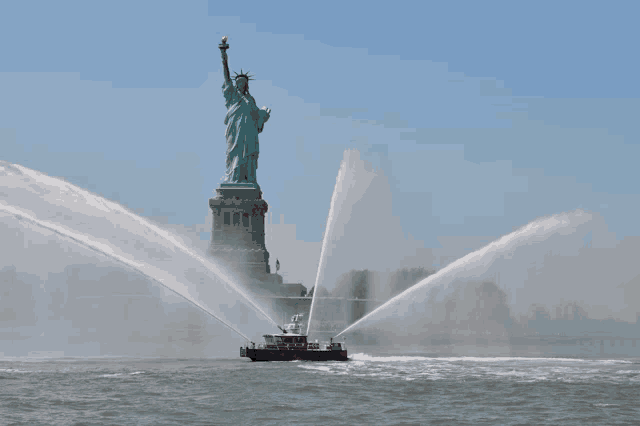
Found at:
(286, 340)
(293, 341)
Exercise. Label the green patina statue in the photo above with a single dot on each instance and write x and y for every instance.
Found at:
(244, 121)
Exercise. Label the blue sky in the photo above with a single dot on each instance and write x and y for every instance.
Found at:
(482, 115)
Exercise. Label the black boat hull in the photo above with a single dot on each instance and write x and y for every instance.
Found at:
(292, 355)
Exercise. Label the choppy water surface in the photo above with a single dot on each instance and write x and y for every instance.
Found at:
(366, 390)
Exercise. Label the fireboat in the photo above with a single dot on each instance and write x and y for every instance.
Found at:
(291, 345)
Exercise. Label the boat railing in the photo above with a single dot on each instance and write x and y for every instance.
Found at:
(293, 346)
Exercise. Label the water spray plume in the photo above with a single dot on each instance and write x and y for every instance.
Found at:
(484, 257)
(331, 219)
(107, 206)
(104, 250)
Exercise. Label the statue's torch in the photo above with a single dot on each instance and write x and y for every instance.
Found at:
(224, 46)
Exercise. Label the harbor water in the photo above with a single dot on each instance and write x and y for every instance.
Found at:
(367, 389)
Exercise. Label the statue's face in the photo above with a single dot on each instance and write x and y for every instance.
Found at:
(242, 84)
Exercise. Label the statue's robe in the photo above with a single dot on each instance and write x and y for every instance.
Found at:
(244, 121)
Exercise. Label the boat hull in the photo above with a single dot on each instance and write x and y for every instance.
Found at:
(292, 355)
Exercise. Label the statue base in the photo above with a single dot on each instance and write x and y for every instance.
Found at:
(237, 235)
(238, 191)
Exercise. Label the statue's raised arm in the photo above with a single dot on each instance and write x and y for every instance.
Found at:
(225, 59)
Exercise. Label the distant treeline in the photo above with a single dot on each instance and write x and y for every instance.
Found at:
(367, 284)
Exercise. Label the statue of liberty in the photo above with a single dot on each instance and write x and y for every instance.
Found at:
(244, 121)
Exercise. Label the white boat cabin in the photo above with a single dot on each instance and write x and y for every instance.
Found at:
(297, 341)
(285, 339)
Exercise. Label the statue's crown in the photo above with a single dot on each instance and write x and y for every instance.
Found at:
(242, 74)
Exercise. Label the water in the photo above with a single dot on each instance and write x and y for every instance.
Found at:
(51, 206)
(352, 182)
(366, 390)
(160, 277)
(331, 219)
(517, 256)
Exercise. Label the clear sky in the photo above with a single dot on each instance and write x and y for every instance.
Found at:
(481, 115)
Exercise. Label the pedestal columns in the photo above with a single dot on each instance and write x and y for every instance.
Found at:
(237, 236)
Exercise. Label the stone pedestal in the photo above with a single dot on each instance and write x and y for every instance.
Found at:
(237, 236)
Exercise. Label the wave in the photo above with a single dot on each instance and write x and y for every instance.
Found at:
(409, 358)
